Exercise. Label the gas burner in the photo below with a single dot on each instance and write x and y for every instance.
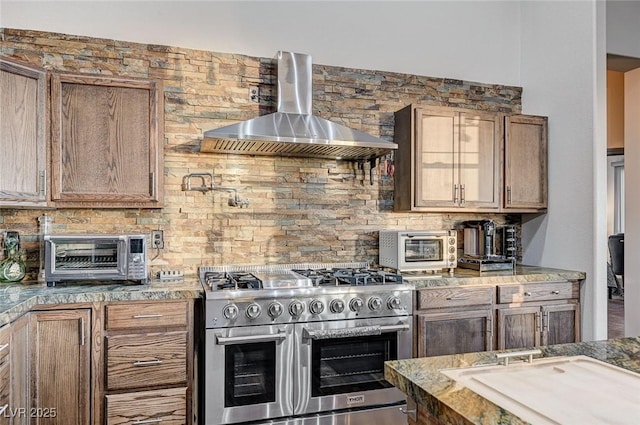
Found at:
(357, 277)
(232, 280)
(319, 277)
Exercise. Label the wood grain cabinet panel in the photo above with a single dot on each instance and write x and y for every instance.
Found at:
(534, 314)
(20, 368)
(106, 144)
(60, 344)
(448, 159)
(5, 374)
(166, 407)
(133, 316)
(23, 134)
(452, 319)
(148, 360)
(525, 163)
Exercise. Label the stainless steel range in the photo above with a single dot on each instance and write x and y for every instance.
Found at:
(303, 344)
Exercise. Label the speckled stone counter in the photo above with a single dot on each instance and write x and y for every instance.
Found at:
(17, 299)
(521, 274)
(422, 380)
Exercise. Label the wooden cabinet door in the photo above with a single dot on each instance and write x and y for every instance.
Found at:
(519, 327)
(23, 134)
(479, 160)
(5, 375)
(525, 163)
(560, 324)
(106, 144)
(436, 158)
(21, 369)
(453, 333)
(60, 344)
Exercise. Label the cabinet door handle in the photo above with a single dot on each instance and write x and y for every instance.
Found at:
(508, 195)
(527, 294)
(42, 189)
(455, 193)
(462, 194)
(147, 363)
(82, 336)
(555, 292)
(146, 316)
(147, 421)
(152, 182)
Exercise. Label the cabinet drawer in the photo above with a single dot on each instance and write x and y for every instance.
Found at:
(146, 315)
(450, 296)
(547, 291)
(166, 407)
(135, 361)
(5, 341)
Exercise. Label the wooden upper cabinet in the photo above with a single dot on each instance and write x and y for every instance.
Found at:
(448, 159)
(106, 141)
(23, 134)
(525, 163)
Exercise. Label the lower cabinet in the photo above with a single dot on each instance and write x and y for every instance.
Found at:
(5, 374)
(451, 320)
(534, 314)
(60, 349)
(167, 407)
(20, 371)
(148, 363)
(454, 320)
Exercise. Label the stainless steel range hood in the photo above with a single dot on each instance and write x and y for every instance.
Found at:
(293, 130)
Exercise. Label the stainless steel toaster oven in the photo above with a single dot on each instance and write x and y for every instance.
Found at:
(95, 258)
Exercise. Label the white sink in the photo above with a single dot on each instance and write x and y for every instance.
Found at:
(576, 390)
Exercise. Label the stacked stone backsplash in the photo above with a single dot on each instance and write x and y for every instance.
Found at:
(301, 210)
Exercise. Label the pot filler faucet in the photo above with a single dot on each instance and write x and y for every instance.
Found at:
(206, 185)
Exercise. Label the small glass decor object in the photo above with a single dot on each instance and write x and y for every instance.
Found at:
(12, 268)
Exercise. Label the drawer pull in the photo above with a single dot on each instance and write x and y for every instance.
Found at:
(555, 292)
(147, 363)
(148, 421)
(3, 347)
(146, 316)
(527, 294)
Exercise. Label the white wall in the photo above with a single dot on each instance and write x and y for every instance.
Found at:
(560, 73)
(632, 203)
(527, 44)
(470, 40)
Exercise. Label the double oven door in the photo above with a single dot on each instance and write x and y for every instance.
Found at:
(340, 364)
(248, 373)
(267, 372)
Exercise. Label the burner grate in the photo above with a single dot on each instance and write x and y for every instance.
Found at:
(232, 280)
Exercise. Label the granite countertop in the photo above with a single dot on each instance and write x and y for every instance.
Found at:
(422, 380)
(17, 299)
(521, 274)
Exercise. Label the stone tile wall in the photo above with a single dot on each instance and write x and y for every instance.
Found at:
(301, 210)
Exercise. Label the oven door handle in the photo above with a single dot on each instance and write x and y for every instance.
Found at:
(248, 339)
(357, 331)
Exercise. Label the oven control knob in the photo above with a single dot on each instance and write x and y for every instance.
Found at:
(394, 303)
(230, 311)
(336, 306)
(296, 308)
(375, 303)
(356, 304)
(253, 311)
(274, 310)
(316, 307)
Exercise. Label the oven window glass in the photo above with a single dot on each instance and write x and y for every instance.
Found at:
(422, 250)
(250, 374)
(86, 255)
(343, 365)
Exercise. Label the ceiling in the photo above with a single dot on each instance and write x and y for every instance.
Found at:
(622, 63)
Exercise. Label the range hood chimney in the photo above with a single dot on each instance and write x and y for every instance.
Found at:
(293, 130)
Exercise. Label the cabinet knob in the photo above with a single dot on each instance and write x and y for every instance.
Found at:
(527, 294)
(555, 292)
